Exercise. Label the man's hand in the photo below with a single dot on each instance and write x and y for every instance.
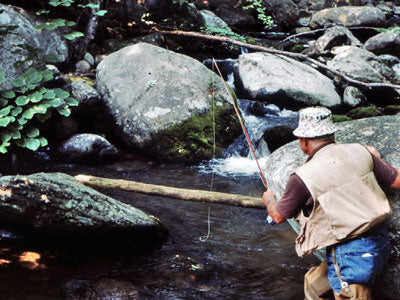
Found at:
(269, 201)
(374, 151)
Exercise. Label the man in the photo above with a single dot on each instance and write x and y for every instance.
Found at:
(336, 197)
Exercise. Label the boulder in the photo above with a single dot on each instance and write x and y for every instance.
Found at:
(384, 43)
(86, 147)
(283, 12)
(336, 3)
(234, 16)
(283, 81)
(360, 64)
(21, 38)
(162, 103)
(381, 132)
(277, 136)
(349, 16)
(55, 207)
(86, 95)
(353, 97)
(333, 37)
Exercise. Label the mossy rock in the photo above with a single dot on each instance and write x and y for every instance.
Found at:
(340, 118)
(85, 79)
(193, 139)
(391, 110)
(277, 136)
(364, 112)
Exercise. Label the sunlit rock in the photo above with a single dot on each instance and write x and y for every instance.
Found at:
(384, 43)
(283, 81)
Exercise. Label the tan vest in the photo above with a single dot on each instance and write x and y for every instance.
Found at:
(347, 197)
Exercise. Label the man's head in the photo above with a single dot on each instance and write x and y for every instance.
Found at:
(315, 128)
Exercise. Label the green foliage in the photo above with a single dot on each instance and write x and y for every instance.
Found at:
(28, 105)
(227, 32)
(394, 29)
(261, 14)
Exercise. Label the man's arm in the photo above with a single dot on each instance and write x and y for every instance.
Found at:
(270, 203)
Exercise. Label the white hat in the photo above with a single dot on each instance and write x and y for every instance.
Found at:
(315, 122)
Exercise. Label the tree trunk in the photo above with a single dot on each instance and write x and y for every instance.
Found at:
(172, 192)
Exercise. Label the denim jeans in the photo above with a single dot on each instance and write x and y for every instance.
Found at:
(360, 260)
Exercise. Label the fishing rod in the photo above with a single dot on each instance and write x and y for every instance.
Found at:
(243, 126)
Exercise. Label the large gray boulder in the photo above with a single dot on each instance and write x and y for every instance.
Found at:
(360, 64)
(162, 103)
(55, 206)
(384, 43)
(20, 34)
(283, 81)
(380, 132)
(349, 16)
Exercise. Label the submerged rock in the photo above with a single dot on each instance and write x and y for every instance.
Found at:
(56, 208)
(380, 132)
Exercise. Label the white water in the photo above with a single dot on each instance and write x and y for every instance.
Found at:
(238, 160)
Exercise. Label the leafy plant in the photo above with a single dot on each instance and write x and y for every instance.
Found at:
(261, 14)
(394, 29)
(30, 103)
(218, 31)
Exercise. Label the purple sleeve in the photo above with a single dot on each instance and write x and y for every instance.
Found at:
(385, 174)
(294, 197)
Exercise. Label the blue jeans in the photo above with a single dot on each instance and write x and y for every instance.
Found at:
(360, 260)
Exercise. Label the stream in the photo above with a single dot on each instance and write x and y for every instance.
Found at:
(213, 252)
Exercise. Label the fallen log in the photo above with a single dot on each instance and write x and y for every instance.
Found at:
(171, 192)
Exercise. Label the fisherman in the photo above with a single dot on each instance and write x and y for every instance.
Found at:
(337, 198)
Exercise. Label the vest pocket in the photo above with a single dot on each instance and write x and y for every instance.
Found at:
(354, 207)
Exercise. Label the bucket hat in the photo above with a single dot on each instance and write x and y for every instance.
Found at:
(315, 122)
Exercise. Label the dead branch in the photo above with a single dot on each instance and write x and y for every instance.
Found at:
(171, 192)
(367, 85)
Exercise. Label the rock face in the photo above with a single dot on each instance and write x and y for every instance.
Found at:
(21, 33)
(283, 81)
(162, 102)
(384, 134)
(349, 16)
(360, 64)
(55, 206)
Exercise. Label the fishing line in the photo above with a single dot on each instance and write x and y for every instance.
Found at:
(205, 238)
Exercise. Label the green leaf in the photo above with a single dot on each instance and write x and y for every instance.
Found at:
(66, 112)
(100, 13)
(43, 141)
(46, 75)
(51, 103)
(18, 82)
(32, 132)
(71, 101)
(70, 23)
(50, 94)
(92, 5)
(44, 117)
(32, 76)
(8, 94)
(6, 135)
(3, 102)
(32, 143)
(73, 35)
(36, 97)
(5, 121)
(30, 112)
(5, 111)
(22, 100)
(22, 121)
(16, 111)
(3, 147)
(60, 93)
(16, 135)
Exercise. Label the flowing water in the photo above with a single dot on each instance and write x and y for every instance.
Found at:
(213, 251)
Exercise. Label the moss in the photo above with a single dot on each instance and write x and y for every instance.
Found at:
(340, 118)
(297, 48)
(86, 80)
(250, 39)
(391, 109)
(193, 139)
(364, 112)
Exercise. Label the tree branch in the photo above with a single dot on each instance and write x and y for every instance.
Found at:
(299, 56)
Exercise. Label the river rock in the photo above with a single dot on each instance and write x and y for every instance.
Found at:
(360, 64)
(333, 37)
(85, 94)
(283, 81)
(353, 97)
(20, 30)
(349, 16)
(235, 16)
(56, 207)
(283, 12)
(277, 136)
(100, 289)
(384, 43)
(162, 103)
(336, 3)
(380, 132)
(211, 22)
(86, 147)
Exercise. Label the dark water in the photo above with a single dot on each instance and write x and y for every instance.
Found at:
(243, 258)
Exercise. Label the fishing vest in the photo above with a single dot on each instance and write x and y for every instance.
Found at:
(347, 197)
